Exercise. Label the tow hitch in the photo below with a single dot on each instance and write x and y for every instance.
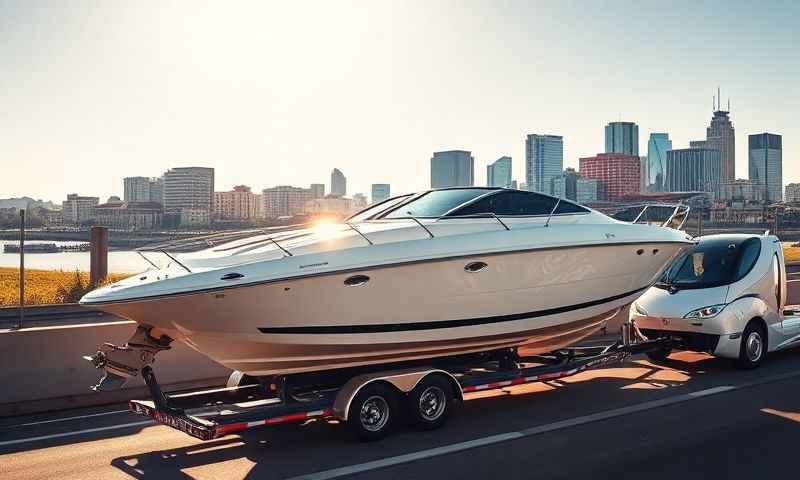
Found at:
(120, 363)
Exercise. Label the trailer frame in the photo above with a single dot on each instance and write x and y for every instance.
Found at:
(255, 402)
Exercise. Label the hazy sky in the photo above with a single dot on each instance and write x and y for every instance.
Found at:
(280, 93)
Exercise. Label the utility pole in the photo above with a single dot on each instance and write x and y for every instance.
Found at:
(21, 267)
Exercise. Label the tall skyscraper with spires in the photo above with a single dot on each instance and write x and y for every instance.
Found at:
(721, 136)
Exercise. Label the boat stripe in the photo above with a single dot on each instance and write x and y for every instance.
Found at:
(467, 322)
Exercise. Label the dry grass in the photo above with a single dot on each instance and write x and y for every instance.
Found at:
(46, 286)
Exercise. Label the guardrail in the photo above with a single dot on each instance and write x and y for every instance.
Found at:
(40, 315)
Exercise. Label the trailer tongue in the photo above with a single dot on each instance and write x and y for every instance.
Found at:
(369, 400)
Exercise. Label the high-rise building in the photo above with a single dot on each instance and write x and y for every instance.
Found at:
(586, 189)
(643, 174)
(765, 160)
(238, 204)
(381, 192)
(359, 201)
(544, 161)
(143, 189)
(318, 190)
(742, 191)
(693, 170)
(622, 137)
(329, 206)
(657, 148)
(284, 201)
(792, 193)
(338, 183)
(129, 215)
(720, 135)
(189, 194)
(452, 168)
(77, 209)
(617, 173)
(498, 174)
(566, 184)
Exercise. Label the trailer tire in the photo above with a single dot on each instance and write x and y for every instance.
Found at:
(753, 346)
(430, 402)
(373, 411)
(659, 355)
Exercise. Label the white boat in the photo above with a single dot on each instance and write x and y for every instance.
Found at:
(439, 273)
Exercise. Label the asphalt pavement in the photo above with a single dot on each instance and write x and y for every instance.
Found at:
(693, 416)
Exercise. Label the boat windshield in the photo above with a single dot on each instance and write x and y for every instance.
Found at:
(506, 203)
(436, 202)
(712, 263)
(374, 210)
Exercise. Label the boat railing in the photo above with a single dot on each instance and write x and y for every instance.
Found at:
(472, 215)
(679, 211)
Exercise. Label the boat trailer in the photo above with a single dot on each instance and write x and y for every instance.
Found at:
(366, 399)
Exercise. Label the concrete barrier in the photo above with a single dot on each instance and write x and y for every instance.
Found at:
(42, 368)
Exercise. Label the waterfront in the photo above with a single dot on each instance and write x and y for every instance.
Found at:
(121, 261)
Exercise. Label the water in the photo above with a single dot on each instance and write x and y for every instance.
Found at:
(118, 261)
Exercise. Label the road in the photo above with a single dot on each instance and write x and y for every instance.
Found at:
(693, 417)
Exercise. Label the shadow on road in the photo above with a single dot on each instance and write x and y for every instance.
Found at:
(288, 450)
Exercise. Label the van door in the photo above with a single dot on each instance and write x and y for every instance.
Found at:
(791, 322)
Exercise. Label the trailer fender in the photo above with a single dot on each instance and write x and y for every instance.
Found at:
(403, 380)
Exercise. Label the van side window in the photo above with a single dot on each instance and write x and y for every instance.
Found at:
(748, 255)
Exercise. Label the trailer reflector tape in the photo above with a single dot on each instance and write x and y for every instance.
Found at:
(235, 427)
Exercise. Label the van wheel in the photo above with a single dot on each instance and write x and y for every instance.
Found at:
(659, 355)
(372, 412)
(753, 347)
(429, 403)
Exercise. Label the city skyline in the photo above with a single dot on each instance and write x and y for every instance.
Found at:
(137, 112)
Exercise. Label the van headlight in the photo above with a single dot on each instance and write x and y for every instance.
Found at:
(638, 309)
(706, 312)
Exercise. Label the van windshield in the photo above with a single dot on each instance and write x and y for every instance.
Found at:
(712, 263)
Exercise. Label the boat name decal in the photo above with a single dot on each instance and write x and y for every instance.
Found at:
(312, 265)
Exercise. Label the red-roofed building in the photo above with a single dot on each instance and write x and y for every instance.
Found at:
(618, 174)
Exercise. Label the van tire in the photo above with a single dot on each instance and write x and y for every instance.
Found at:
(753, 346)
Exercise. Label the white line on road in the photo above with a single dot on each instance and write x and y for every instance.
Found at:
(572, 422)
(76, 417)
(76, 432)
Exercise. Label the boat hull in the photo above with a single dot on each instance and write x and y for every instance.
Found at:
(543, 299)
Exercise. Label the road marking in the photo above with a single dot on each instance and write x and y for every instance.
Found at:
(494, 439)
(76, 432)
(76, 417)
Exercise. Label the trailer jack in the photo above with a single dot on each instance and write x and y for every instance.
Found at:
(120, 363)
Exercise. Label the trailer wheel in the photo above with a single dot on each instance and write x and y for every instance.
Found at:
(372, 412)
(428, 404)
(753, 347)
(659, 355)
